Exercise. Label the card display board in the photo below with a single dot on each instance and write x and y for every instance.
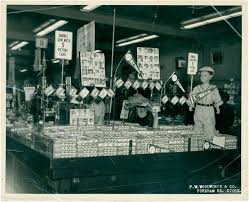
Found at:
(92, 69)
(148, 62)
(81, 116)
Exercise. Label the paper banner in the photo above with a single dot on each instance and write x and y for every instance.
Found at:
(174, 100)
(158, 86)
(128, 84)
(144, 85)
(49, 90)
(103, 93)
(182, 100)
(119, 83)
(94, 93)
(84, 92)
(152, 85)
(136, 85)
(29, 92)
(110, 93)
(165, 99)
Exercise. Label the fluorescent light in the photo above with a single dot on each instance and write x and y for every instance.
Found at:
(138, 40)
(52, 28)
(23, 70)
(212, 18)
(131, 38)
(13, 43)
(89, 8)
(20, 45)
(55, 61)
(97, 51)
(45, 24)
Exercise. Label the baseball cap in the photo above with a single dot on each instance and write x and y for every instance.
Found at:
(206, 69)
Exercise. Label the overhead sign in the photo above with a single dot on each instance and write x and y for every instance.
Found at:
(192, 63)
(41, 42)
(63, 45)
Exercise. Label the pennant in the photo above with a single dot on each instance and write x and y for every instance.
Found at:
(165, 99)
(158, 86)
(136, 85)
(119, 83)
(174, 100)
(176, 81)
(110, 93)
(131, 61)
(198, 96)
(152, 85)
(128, 84)
(94, 93)
(144, 85)
(182, 100)
(49, 90)
(103, 93)
(84, 92)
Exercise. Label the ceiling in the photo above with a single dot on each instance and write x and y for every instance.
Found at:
(130, 20)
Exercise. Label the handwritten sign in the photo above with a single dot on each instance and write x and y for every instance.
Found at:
(192, 63)
(63, 45)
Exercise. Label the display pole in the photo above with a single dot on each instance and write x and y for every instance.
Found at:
(43, 86)
(191, 84)
(111, 79)
(62, 70)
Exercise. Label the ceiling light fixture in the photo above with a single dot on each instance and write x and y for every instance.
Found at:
(89, 8)
(55, 61)
(45, 24)
(19, 45)
(138, 40)
(13, 43)
(23, 70)
(131, 38)
(212, 18)
(97, 51)
(51, 28)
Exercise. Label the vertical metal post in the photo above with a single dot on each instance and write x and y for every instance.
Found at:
(62, 70)
(191, 84)
(111, 79)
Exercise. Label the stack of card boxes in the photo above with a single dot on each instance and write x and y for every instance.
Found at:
(230, 141)
(143, 140)
(87, 147)
(161, 141)
(197, 142)
(177, 143)
(65, 147)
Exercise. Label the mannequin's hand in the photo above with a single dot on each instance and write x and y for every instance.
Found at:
(217, 110)
(191, 109)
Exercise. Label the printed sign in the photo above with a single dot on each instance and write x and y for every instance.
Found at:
(93, 69)
(63, 45)
(94, 92)
(165, 99)
(60, 91)
(174, 100)
(192, 63)
(119, 83)
(68, 80)
(103, 93)
(81, 116)
(29, 92)
(148, 62)
(72, 91)
(84, 92)
(41, 42)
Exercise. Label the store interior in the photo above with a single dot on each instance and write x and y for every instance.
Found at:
(218, 45)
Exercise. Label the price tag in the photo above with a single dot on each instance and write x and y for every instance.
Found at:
(182, 100)
(127, 84)
(119, 83)
(152, 85)
(49, 90)
(144, 85)
(158, 85)
(165, 99)
(174, 100)
(41, 42)
(94, 92)
(110, 93)
(103, 93)
(84, 92)
(136, 85)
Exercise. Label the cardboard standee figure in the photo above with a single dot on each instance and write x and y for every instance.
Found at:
(208, 99)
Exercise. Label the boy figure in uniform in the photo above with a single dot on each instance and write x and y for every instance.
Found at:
(208, 98)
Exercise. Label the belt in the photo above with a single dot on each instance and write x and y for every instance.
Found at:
(205, 105)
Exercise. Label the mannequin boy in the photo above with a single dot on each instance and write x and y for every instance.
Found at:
(204, 115)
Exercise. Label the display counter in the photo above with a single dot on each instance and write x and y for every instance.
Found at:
(117, 159)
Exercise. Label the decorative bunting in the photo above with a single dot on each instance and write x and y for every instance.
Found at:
(119, 83)
(49, 90)
(84, 92)
(72, 91)
(144, 85)
(128, 84)
(110, 93)
(60, 92)
(94, 93)
(152, 85)
(158, 86)
(136, 85)
(165, 99)
(103, 93)
(182, 100)
(174, 100)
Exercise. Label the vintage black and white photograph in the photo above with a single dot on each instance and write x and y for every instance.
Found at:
(125, 98)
